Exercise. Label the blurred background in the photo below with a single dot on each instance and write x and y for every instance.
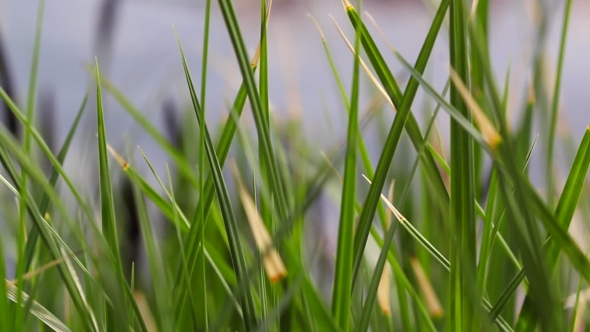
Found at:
(136, 49)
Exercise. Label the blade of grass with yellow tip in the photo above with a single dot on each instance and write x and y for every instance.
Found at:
(444, 262)
(476, 136)
(179, 160)
(564, 213)
(166, 207)
(289, 249)
(276, 182)
(526, 194)
(364, 154)
(450, 109)
(546, 217)
(404, 118)
(273, 264)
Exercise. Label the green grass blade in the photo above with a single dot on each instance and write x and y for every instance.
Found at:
(444, 262)
(203, 285)
(342, 290)
(47, 151)
(205, 202)
(166, 207)
(373, 286)
(179, 159)
(276, 185)
(31, 98)
(109, 223)
(563, 216)
(555, 102)
(155, 262)
(572, 191)
(364, 154)
(5, 312)
(403, 116)
(32, 93)
(49, 237)
(463, 234)
(403, 280)
(37, 310)
(265, 208)
(237, 254)
(44, 203)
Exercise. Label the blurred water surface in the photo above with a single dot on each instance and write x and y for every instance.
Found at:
(144, 61)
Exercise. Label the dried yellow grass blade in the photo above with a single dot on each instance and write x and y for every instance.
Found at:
(385, 282)
(490, 133)
(317, 25)
(390, 197)
(372, 19)
(332, 167)
(36, 272)
(383, 291)
(432, 302)
(146, 313)
(273, 264)
(118, 158)
(256, 56)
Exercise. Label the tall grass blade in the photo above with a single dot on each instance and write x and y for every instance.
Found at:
(203, 285)
(564, 213)
(555, 102)
(44, 203)
(276, 184)
(109, 225)
(31, 105)
(343, 278)
(37, 310)
(48, 236)
(463, 235)
(231, 227)
(403, 115)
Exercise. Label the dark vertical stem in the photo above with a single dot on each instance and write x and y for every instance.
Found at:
(7, 83)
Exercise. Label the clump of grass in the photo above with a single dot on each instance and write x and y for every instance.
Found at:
(233, 256)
